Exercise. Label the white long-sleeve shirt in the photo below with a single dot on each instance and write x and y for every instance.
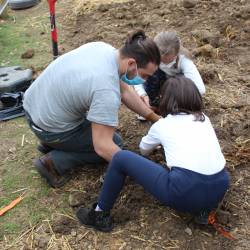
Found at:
(186, 67)
(188, 144)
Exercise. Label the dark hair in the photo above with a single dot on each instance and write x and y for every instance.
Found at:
(180, 95)
(142, 49)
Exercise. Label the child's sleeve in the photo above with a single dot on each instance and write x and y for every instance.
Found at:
(150, 141)
(140, 90)
(190, 71)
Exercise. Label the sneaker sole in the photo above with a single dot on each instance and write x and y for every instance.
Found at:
(96, 228)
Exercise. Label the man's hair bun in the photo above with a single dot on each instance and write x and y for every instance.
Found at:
(134, 37)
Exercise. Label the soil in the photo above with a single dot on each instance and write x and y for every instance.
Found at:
(218, 34)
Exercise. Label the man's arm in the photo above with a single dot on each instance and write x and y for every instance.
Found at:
(102, 136)
(134, 102)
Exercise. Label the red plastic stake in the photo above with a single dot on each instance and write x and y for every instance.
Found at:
(53, 27)
(218, 228)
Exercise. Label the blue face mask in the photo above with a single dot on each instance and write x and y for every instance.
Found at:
(134, 81)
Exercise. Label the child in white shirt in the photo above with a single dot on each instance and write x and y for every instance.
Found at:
(195, 180)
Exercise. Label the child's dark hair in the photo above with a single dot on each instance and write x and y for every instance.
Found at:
(180, 95)
(142, 49)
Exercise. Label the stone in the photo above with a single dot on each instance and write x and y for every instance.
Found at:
(119, 15)
(43, 241)
(245, 12)
(103, 8)
(208, 73)
(215, 2)
(206, 50)
(73, 233)
(29, 53)
(76, 199)
(188, 231)
(189, 3)
(223, 217)
(205, 36)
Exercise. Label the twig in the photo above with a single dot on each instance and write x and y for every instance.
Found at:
(83, 236)
(68, 216)
(32, 237)
(138, 238)
(233, 204)
(51, 242)
(67, 242)
(19, 190)
(122, 246)
(20, 237)
(120, 231)
(51, 230)
(153, 243)
(175, 215)
(22, 140)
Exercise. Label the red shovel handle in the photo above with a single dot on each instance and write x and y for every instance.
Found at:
(53, 27)
(52, 6)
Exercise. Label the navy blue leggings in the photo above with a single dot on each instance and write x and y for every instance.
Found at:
(178, 188)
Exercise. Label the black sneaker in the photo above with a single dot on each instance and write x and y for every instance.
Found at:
(202, 217)
(100, 220)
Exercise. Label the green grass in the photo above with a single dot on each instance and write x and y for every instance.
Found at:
(11, 227)
(17, 172)
(20, 31)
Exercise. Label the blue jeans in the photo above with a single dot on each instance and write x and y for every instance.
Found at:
(178, 188)
(72, 148)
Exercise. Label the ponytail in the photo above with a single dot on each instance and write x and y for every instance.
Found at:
(141, 48)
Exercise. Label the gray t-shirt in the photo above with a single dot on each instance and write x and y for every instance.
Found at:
(83, 83)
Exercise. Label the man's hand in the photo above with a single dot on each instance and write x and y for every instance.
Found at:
(104, 145)
(131, 99)
(145, 99)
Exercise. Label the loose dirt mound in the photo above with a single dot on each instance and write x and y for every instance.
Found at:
(218, 33)
(85, 6)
